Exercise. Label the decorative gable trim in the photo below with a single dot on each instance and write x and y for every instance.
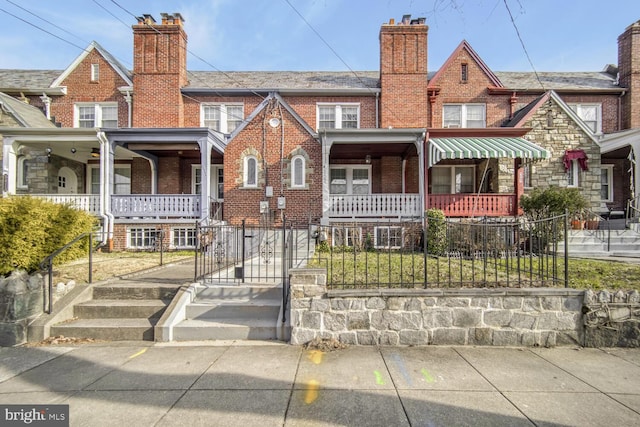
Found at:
(113, 62)
(552, 95)
(262, 105)
(464, 45)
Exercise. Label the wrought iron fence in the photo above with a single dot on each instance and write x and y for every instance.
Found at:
(434, 253)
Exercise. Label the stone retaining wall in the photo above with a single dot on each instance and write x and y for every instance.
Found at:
(21, 300)
(503, 317)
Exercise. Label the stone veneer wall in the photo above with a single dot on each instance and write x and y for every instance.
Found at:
(502, 317)
(21, 300)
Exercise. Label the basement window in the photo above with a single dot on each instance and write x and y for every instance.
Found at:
(183, 238)
(388, 237)
(142, 238)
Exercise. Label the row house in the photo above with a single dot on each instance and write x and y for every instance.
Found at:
(160, 147)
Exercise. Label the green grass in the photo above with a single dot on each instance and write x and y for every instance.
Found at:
(364, 269)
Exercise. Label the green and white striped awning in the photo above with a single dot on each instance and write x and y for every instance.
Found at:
(483, 148)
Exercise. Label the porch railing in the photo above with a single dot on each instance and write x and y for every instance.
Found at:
(83, 202)
(375, 205)
(467, 205)
(156, 205)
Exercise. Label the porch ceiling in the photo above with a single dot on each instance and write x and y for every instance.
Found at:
(483, 148)
(359, 151)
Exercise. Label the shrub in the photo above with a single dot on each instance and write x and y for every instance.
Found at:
(436, 232)
(552, 201)
(32, 228)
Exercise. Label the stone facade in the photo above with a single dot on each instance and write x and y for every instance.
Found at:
(612, 319)
(502, 317)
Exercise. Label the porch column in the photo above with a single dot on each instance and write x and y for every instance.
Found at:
(326, 199)
(635, 146)
(206, 146)
(421, 172)
(518, 184)
(9, 168)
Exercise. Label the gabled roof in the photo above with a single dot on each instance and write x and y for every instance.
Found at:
(26, 115)
(262, 105)
(476, 58)
(524, 114)
(115, 64)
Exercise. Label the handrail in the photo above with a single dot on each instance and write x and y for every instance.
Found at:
(48, 263)
(632, 206)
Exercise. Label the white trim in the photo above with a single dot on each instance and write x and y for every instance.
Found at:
(576, 107)
(95, 72)
(348, 238)
(21, 176)
(338, 113)
(609, 170)
(452, 177)
(463, 114)
(573, 173)
(349, 177)
(97, 119)
(149, 233)
(224, 116)
(386, 245)
(187, 231)
(116, 166)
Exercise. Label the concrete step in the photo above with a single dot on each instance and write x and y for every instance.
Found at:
(120, 308)
(135, 291)
(237, 292)
(234, 309)
(107, 329)
(225, 329)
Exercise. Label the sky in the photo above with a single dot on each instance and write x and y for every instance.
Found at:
(322, 35)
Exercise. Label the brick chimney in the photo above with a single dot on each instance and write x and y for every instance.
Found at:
(629, 74)
(159, 71)
(403, 73)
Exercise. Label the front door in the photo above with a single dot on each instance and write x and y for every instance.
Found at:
(67, 181)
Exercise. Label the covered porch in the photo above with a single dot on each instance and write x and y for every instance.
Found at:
(371, 174)
(479, 172)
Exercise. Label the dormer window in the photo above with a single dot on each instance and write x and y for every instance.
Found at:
(591, 115)
(95, 72)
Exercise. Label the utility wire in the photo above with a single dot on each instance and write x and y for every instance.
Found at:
(110, 13)
(41, 18)
(523, 46)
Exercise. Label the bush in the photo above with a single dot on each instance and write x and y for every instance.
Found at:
(436, 232)
(32, 228)
(552, 201)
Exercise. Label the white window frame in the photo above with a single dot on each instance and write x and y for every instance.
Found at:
(95, 72)
(147, 235)
(183, 238)
(452, 177)
(463, 114)
(116, 166)
(302, 175)
(225, 118)
(349, 177)
(527, 172)
(608, 169)
(245, 172)
(386, 245)
(351, 234)
(573, 174)
(97, 117)
(578, 107)
(217, 172)
(338, 113)
(22, 182)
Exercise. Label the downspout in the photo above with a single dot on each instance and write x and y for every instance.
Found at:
(127, 98)
(624, 92)
(107, 217)
(377, 110)
(404, 171)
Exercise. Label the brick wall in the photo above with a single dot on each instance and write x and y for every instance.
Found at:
(629, 74)
(403, 76)
(80, 88)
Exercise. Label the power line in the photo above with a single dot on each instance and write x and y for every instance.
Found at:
(523, 46)
(41, 18)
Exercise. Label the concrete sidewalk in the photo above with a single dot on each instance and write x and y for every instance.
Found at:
(273, 384)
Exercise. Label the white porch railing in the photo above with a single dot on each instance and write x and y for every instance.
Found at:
(156, 205)
(84, 202)
(375, 205)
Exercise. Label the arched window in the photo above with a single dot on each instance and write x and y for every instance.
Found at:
(250, 171)
(298, 172)
(23, 172)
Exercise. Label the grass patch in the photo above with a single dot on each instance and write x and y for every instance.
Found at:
(114, 264)
(391, 270)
